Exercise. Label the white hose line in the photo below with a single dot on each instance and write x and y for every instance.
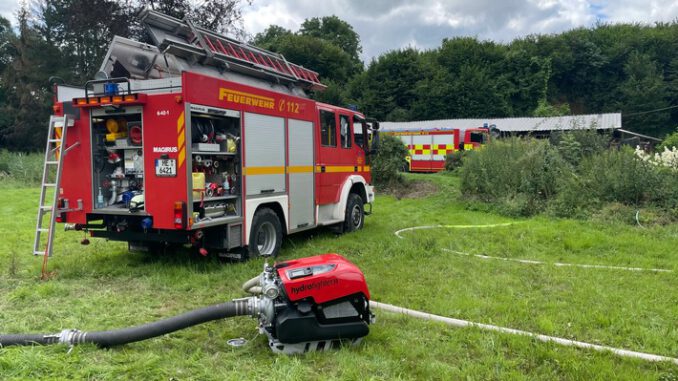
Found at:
(558, 264)
(525, 261)
(397, 233)
(544, 338)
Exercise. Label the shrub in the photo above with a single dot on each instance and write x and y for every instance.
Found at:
(669, 141)
(574, 145)
(616, 177)
(525, 177)
(620, 176)
(519, 175)
(388, 161)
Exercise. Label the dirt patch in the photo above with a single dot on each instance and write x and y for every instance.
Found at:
(412, 189)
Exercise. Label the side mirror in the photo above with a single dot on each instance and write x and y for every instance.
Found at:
(374, 147)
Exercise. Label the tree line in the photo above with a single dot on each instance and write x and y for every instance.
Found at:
(628, 68)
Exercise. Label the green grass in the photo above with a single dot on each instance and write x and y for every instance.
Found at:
(103, 286)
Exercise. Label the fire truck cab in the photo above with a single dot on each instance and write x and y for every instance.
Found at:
(206, 141)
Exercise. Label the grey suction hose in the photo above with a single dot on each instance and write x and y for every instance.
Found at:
(253, 286)
(238, 307)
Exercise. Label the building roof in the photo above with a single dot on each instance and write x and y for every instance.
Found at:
(572, 122)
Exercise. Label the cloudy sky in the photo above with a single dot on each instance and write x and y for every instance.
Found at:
(385, 25)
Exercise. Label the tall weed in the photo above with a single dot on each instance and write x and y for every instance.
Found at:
(526, 177)
(20, 169)
(519, 174)
(575, 145)
(620, 176)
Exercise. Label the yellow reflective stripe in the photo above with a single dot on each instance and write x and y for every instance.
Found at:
(181, 140)
(468, 146)
(180, 122)
(336, 168)
(253, 171)
(181, 157)
(300, 169)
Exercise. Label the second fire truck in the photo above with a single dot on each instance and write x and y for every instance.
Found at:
(427, 149)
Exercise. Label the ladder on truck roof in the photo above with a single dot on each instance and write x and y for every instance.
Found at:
(198, 45)
(51, 181)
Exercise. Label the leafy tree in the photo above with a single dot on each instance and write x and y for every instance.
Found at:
(389, 83)
(337, 32)
(644, 89)
(327, 45)
(545, 109)
(25, 89)
(219, 15)
(270, 38)
(328, 60)
(80, 33)
(6, 37)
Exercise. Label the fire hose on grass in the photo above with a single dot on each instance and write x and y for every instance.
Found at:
(238, 307)
(544, 338)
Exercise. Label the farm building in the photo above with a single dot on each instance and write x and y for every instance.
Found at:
(536, 126)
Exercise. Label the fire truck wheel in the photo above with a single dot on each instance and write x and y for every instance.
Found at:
(355, 213)
(266, 234)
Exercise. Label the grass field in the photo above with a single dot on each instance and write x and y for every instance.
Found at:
(103, 286)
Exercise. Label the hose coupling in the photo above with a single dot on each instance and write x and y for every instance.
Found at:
(71, 337)
(247, 306)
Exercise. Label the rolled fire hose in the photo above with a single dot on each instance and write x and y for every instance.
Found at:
(237, 307)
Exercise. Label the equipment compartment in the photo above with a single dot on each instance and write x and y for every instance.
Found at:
(118, 160)
(215, 163)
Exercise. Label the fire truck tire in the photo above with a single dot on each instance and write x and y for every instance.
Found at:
(355, 213)
(266, 234)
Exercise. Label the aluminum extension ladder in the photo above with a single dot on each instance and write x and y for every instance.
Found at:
(51, 181)
(205, 47)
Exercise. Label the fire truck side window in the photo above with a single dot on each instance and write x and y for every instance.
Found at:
(328, 129)
(478, 137)
(344, 131)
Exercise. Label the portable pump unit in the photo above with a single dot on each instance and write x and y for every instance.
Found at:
(302, 305)
(311, 304)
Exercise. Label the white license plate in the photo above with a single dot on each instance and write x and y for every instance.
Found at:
(165, 167)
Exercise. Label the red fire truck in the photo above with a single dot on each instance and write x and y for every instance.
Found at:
(204, 140)
(427, 149)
